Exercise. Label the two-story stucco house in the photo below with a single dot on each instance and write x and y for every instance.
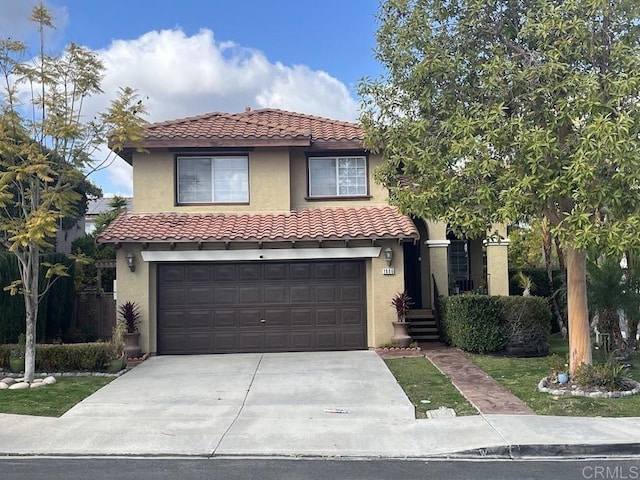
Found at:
(265, 231)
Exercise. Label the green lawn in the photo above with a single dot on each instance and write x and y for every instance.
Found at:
(52, 400)
(521, 376)
(422, 381)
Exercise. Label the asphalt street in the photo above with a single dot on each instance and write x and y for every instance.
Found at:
(37, 468)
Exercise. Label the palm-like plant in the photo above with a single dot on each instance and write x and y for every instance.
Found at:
(131, 315)
(608, 292)
(401, 301)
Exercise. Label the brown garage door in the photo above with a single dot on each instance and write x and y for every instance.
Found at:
(261, 307)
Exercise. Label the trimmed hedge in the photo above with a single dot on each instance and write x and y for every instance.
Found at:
(66, 357)
(526, 323)
(56, 307)
(472, 323)
(481, 324)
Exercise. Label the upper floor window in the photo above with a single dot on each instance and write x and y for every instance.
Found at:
(337, 176)
(213, 179)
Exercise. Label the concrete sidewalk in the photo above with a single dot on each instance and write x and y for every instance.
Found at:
(339, 404)
(319, 434)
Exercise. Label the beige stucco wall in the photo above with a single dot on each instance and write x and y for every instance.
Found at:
(135, 287)
(299, 185)
(154, 183)
(380, 289)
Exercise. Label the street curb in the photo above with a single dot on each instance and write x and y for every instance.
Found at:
(557, 450)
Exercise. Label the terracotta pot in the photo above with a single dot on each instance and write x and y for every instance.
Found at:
(400, 335)
(132, 348)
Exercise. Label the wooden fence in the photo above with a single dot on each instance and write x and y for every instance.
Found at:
(97, 312)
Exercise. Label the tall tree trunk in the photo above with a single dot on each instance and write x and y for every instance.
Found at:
(30, 279)
(547, 251)
(579, 334)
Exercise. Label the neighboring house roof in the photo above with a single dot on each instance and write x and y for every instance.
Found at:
(251, 128)
(335, 223)
(101, 205)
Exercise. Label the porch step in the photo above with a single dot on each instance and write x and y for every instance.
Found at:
(423, 326)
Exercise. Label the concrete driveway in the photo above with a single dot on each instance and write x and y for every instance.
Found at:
(238, 404)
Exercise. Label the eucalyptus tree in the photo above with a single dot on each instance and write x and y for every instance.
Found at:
(496, 110)
(46, 143)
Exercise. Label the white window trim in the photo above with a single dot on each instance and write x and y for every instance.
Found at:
(259, 254)
(211, 158)
(337, 170)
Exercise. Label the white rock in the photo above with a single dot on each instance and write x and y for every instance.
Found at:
(3, 386)
(19, 379)
(49, 380)
(8, 381)
(19, 386)
(38, 384)
(38, 380)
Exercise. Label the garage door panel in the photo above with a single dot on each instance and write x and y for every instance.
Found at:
(218, 307)
(224, 273)
(249, 318)
(301, 341)
(351, 317)
(173, 297)
(326, 294)
(197, 273)
(350, 271)
(302, 317)
(300, 271)
(276, 317)
(300, 294)
(325, 271)
(251, 341)
(327, 340)
(276, 294)
(172, 319)
(276, 271)
(326, 317)
(172, 273)
(276, 341)
(225, 296)
(351, 293)
(199, 296)
(249, 272)
(351, 339)
(225, 342)
(225, 319)
(200, 342)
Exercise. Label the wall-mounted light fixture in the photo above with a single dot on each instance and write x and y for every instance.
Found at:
(131, 261)
(388, 255)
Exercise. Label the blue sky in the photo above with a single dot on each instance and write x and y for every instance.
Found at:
(189, 57)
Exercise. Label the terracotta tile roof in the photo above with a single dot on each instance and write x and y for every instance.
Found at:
(336, 223)
(253, 125)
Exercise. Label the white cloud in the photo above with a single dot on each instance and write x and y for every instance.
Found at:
(15, 23)
(180, 75)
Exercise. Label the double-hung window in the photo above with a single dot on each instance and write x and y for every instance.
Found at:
(337, 176)
(220, 179)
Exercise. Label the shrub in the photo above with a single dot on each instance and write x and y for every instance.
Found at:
(526, 325)
(607, 376)
(66, 357)
(131, 315)
(472, 323)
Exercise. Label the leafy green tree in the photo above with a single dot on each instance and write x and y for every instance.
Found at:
(45, 145)
(493, 111)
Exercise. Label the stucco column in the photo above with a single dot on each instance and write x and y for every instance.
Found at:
(498, 267)
(439, 263)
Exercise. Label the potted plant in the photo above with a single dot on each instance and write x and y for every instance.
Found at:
(118, 360)
(16, 355)
(130, 314)
(401, 301)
